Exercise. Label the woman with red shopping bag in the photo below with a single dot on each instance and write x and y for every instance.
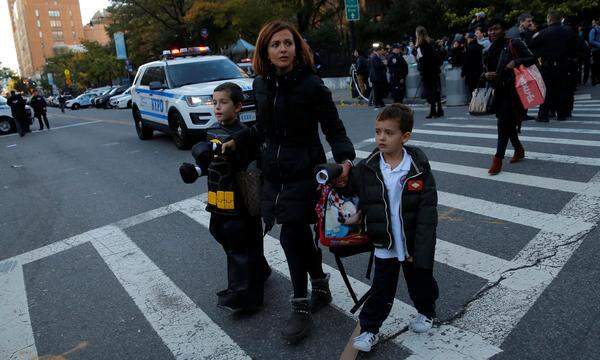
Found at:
(501, 59)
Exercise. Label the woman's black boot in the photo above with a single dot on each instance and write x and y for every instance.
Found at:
(298, 325)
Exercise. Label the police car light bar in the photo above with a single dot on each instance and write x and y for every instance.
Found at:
(192, 51)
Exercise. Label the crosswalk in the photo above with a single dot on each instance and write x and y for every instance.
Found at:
(459, 149)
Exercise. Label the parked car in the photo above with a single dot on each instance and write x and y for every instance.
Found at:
(56, 103)
(82, 101)
(102, 101)
(7, 122)
(122, 101)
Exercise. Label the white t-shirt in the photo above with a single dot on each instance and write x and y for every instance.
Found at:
(394, 184)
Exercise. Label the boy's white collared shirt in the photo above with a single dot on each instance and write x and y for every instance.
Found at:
(394, 183)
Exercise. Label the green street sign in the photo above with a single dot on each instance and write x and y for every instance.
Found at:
(352, 10)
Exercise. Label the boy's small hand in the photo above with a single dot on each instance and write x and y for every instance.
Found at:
(228, 147)
(342, 180)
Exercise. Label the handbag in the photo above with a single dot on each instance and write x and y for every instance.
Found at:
(249, 183)
(482, 100)
(529, 83)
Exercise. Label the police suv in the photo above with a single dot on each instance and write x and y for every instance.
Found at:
(174, 95)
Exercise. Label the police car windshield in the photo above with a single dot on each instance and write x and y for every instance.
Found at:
(203, 71)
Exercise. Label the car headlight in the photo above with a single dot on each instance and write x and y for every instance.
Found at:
(194, 100)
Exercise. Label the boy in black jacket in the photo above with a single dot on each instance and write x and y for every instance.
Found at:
(398, 198)
(232, 226)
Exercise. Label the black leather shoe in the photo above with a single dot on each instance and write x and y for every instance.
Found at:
(298, 325)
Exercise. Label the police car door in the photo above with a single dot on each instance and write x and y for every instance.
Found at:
(152, 101)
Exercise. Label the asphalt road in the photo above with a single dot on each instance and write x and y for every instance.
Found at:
(104, 256)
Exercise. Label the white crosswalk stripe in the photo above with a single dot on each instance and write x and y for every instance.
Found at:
(523, 128)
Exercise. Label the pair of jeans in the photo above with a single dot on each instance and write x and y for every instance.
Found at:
(241, 238)
(303, 256)
(379, 89)
(422, 289)
(42, 116)
(596, 67)
(507, 130)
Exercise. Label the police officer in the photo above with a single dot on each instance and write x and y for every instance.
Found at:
(555, 46)
(377, 75)
(17, 108)
(38, 103)
(398, 69)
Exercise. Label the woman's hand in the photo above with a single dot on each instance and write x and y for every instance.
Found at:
(511, 65)
(228, 147)
(491, 76)
(342, 180)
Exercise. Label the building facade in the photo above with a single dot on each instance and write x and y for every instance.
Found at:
(42, 26)
(96, 29)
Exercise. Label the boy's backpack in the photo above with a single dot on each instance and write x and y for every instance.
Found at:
(340, 222)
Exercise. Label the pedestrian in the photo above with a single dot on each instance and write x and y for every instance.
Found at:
(378, 77)
(38, 103)
(584, 56)
(500, 60)
(362, 73)
(523, 29)
(62, 100)
(555, 46)
(594, 41)
(398, 69)
(239, 233)
(457, 53)
(429, 62)
(17, 108)
(398, 194)
(291, 103)
(473, 67)
(478, 22)
(481, 39)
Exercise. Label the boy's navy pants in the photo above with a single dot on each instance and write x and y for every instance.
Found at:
(422, 288)
(242, 240)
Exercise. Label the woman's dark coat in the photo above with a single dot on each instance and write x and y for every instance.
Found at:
(289, 109)
(429, 68)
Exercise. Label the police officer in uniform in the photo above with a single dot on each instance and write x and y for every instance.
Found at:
(38, 103)
(398, 69)
(17, 108)
(555, 46)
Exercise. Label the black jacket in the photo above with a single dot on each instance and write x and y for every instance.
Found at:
(289, 109)
(398, 68)
(555, 43)
(17, 105)
(362, 66)
(38, 103)
(473, 66)
(419, 205)
(377, 70)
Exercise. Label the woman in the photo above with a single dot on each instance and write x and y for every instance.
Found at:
(429, 63)
(500, 60)
(291, 102)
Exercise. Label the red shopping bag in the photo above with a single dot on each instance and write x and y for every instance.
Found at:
(530, 86)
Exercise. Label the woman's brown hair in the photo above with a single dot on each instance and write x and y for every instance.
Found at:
(261, 62)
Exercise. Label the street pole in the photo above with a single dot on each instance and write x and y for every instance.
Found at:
(352, 36)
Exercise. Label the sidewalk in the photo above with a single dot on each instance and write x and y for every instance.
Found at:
(344, 97)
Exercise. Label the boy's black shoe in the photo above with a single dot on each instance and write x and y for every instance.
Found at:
(235, 303)
(298, 325)
(320, 295)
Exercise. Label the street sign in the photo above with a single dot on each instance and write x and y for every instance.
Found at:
(50, 79)
(352, 10)
(67, 72)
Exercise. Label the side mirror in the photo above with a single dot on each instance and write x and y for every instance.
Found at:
(155, 85)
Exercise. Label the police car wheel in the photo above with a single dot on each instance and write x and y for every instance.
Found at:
(143, 131)
(75, 107)
(6, 126)
(179, 132)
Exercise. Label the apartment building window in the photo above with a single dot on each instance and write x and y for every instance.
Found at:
(54, 13)
(37, 22)
(37, 13)
(41, 35)
(70, 13)
(55, 23)
(57, 36)
(74, 36)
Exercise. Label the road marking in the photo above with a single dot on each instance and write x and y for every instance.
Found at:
(56, 128)
(477, 118)
(587, 101)
(496, 312)
(474, 262)
(445, 342)
(513, 178)
(566, 159)
(524, 128)
(537, 139)
(573, 115)
(184, 328)
(552, 223)
(579, 97)
(16, 335)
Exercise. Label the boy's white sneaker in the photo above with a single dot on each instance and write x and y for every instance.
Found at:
(421, 324)
(365, 341)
